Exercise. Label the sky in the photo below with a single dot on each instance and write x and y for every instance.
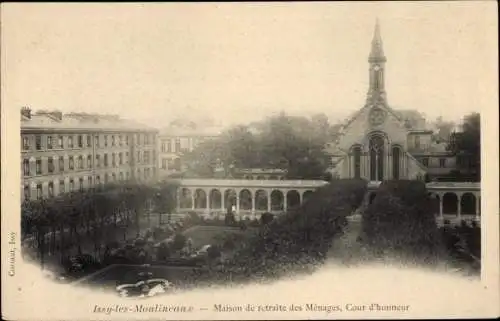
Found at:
(240, 62)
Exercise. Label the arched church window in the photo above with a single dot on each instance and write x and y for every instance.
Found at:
(376, 158)
(396, 159)
(356, 151)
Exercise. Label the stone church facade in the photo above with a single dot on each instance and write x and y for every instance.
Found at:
(379, 143)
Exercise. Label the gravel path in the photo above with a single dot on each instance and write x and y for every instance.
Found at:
(346, 249)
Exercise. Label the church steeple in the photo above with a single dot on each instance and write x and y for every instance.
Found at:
(377, 51)
(377, 67)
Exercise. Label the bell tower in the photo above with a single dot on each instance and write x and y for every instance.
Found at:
(376, 60)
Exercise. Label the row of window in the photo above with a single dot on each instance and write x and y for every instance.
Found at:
(81, 161)
(424, 160)
(179, 144)
(442, 162)
(71, 186)
(171, 163)
(146, 157)
(85, 162)
(376, 160)
(83, 141)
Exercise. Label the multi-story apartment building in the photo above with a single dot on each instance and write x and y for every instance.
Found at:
(62, 153)
(177, 139)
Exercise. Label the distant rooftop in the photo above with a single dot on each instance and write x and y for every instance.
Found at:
(413, 118)
(45, 120)
(183, 127)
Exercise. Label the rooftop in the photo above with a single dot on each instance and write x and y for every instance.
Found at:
(184, 127)
(56, 120)
(250, 183)
(241, 183)
(261, 170)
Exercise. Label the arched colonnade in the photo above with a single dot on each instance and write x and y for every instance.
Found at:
(453, 204)
(456, 203)
(249, 200)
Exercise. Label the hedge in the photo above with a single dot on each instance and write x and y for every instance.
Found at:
(400, 221)
(301, 237)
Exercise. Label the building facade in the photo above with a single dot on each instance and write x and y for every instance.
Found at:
(177, 139)
(66, 152)
(379, 143)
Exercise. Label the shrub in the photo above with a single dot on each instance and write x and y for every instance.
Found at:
(193, 218)
(213, 252)
(229, 219)
(243, 225)
(228, 244)
(266, 218)
(474, 241)
(302, 236)
(179, 241)
(254, 223)
(400, 220)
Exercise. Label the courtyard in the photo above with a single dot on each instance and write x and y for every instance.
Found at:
(180, 276)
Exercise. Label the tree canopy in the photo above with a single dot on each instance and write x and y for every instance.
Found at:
(282, 141)
(91, 209)
(444, 129)
(466, 144)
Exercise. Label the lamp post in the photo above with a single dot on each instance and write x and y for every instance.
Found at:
(158, 195)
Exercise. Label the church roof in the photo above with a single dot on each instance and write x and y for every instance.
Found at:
(357, 113)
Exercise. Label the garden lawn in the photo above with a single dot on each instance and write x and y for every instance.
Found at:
(215, 235)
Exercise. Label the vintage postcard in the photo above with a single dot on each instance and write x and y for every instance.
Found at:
(249, 160)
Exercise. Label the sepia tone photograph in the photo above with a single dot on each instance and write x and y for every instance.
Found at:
(249, 160)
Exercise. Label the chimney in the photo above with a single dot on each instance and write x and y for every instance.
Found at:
(57, 114)
(26, 112)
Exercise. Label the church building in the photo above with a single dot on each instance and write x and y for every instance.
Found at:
(380, 143)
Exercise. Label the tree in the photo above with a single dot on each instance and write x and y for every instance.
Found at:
(166, 198)
(41, 225)
(302, 236)
(229, 218)
(286, 142)
(321, 126)
(163, 252)
(136, 197)
(27, 219)
(466, 145)
(444, 130)
(213, 253)
(400, 220)
(69, 215)
(266, 218)
(179, 241)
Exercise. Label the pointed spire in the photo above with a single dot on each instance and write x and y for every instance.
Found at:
(377, 51)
